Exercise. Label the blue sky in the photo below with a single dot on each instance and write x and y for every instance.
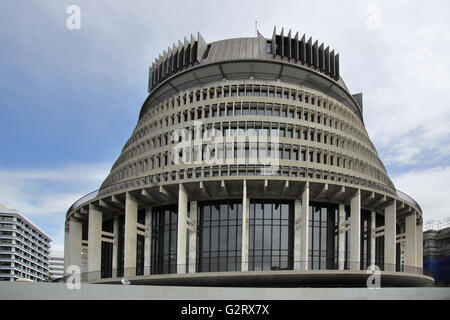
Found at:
(71, 98)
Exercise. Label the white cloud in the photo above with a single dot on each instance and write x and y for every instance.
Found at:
(44, 195)
(405, 82)
(430, 188)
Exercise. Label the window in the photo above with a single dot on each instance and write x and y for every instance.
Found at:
(219, 236)
(323, 236)
(164, 240)
(270, 235)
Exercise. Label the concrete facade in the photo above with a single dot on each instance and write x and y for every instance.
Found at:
(248, 120)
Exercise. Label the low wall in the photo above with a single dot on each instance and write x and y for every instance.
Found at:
(60, 291)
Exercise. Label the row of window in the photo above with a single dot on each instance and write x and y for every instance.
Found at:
(30, 252)
(306, 134)
(34, 245)
(247, 109)
(246, 90)
(26, 228)
(255, 153)
(24, 255)
(247, 129)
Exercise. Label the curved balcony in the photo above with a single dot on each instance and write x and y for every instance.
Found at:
(143, 180)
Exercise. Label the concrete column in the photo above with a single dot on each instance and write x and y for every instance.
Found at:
(410, 240)
(341, 238)
(130, 241)
(182, 229)
(372, 238)
(66, 250)
(193, 237)
(94, 243)
(304, 241)
(297, 234)
(148, 241)
(419, 246)
(245, 227)
(75, 233)
(115, 247)
(355, 234)
(390, 236)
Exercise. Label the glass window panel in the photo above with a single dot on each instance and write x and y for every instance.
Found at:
(214, 242)
(258, 211)
(232, 238)
(207, 213)
(232, 211)
(285, 211)
(276, 211)
(223, 238)
(276, 237)
(284, 237)
(239, 237)
(224, 212)
(205, 236)
(316, 238)
(267, 211)
(258, 237)
(267, 237)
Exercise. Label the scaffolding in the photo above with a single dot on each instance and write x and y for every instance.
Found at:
(436, 224)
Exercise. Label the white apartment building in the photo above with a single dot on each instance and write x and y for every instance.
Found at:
(24, 248)
(56, 264)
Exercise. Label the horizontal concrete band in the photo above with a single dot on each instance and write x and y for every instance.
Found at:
(285, 278)
(216, 188)
(60, 291)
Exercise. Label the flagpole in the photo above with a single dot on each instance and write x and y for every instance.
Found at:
(256, 29)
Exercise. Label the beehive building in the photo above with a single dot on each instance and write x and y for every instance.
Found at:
(249, 165)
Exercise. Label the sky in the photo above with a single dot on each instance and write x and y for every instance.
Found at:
(70, 97)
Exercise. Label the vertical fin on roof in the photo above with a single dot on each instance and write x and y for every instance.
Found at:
(177, 57)
(288, 48)
(327, 60)
(309, 50)
(321, 58)
(302, 49)
(274, 41)
(332, 63)
(316, 54)
(336, 67)
(295, 44)
(201, 47)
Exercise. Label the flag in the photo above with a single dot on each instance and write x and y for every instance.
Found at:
(259, 34)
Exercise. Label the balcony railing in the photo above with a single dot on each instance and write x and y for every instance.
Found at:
(408, 199)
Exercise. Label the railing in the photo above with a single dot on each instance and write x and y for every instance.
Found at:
(84, 199)
(189, 269)
(407, 198)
